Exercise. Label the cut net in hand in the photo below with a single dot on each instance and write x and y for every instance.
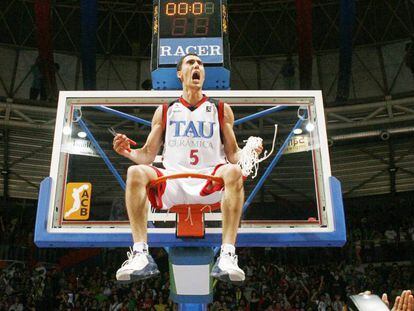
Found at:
(249, 158)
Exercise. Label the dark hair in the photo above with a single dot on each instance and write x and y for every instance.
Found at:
(180, 62)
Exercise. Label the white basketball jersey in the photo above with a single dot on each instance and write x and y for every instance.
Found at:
(192, 137)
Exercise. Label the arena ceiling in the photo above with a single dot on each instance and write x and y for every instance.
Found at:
(257, 28)
(365, 163)
(366, 158)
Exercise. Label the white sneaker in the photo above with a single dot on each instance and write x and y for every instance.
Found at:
(138, 266)
(227, 270)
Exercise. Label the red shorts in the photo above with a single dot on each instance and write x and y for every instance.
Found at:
(185, 190)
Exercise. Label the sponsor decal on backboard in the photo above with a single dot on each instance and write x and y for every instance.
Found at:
(298, 143)
(79, 147)
(77, 201)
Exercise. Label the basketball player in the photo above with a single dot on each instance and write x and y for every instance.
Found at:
(197, 134)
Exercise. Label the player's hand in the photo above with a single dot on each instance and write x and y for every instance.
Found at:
(405, 302)
(122, 145)
(259, 149)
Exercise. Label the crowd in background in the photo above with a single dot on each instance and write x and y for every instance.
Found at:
(378, 257)
(270, 284)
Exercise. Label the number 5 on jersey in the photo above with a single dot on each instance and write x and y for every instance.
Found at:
(194, 157)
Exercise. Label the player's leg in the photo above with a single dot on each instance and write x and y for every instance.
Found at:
(226, 267)
(139, 265)
(136, 200)
(232, 201)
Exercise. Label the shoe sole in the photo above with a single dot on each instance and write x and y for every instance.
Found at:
(225, 277)
(136, 278)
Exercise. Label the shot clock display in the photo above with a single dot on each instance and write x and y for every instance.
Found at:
(190, 19)
(190, 26)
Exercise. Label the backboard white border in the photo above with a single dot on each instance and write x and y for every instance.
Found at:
(106, 96)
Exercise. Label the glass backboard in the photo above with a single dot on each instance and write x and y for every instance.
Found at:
(293, 200)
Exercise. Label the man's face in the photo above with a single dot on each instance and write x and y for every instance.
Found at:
(192, 73)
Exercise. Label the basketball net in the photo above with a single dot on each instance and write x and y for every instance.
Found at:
(248, 156)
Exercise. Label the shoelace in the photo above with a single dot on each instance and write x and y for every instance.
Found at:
(131, 254)
(233, 258)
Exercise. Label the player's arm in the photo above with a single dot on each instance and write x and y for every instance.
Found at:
(229, 138)
(148, 152)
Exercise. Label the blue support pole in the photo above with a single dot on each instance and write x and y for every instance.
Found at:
(98, 148)
(259, 114)
(148, 123)
(267, 171)
(270, 167)
(192, 307)
(108, 163)
(123, 115)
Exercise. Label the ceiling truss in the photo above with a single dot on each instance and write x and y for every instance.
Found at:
(259, 31)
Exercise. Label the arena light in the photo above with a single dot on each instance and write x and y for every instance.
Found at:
(81, 134)
(310, 127)
(67, 130)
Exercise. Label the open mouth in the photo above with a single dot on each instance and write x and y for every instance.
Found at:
(196, 76)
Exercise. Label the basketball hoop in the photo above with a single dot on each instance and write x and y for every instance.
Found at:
(190, 217)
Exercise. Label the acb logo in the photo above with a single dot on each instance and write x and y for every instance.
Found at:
(77, 201)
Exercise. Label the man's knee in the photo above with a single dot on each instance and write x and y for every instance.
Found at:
(232, 176)
(138, 174)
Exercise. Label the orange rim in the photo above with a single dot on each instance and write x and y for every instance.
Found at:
(162, 179)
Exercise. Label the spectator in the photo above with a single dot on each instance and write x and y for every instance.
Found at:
(338, 304)
(405, 302)
(275, 282)
(17, 305)
(160, 305)
(254, 302)
(390, 234)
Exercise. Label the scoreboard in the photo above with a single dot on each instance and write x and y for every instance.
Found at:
(190, 26)
(190, 19)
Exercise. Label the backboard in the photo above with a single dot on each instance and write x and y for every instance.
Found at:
(293, 200)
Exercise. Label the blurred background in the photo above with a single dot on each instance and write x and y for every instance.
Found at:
(359, 53)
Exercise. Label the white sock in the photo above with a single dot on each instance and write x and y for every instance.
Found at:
(228, 249)
(140, 247)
